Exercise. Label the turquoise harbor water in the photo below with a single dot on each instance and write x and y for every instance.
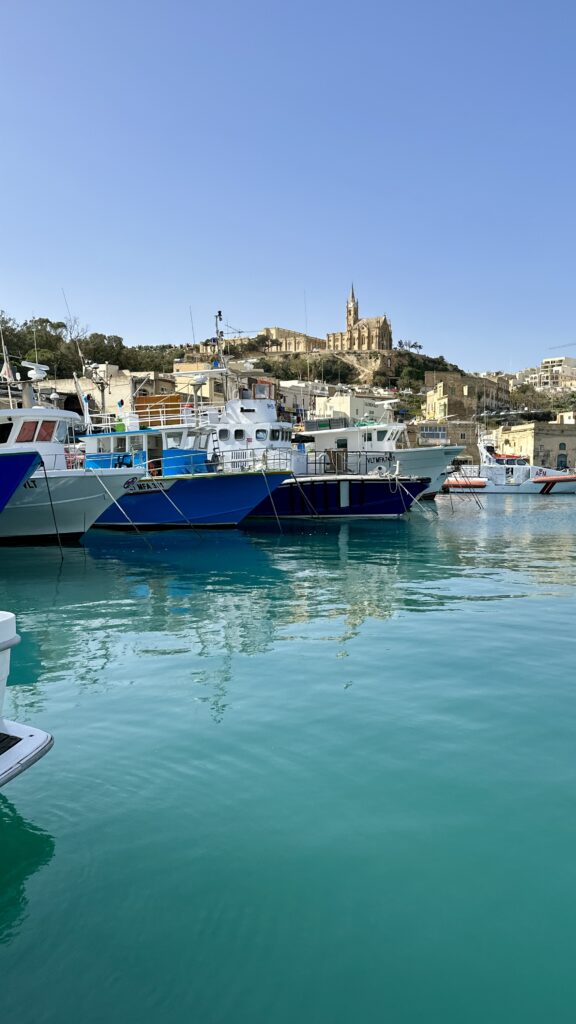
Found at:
(323, 777)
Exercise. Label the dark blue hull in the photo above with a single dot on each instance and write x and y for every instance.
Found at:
(203, 499)
(15, 468)
(341, 497)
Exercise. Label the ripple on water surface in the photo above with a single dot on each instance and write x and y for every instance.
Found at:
(325, 775)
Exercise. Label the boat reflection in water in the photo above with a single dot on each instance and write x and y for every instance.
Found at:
(24, 850)
(148, 610)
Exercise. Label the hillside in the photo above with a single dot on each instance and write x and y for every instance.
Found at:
(58, 344)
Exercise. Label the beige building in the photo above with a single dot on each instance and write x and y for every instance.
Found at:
(280, 339)
(352, 405)
(555, 373)
(463, 395)
(277, 340)
(110, 389)
(452, 431)
(543, 444)
(369, 334)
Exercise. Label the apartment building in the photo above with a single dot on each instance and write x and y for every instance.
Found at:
(555, 373)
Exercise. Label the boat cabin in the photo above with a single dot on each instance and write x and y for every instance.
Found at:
(42, 430)
(168, 451)
(378, 437)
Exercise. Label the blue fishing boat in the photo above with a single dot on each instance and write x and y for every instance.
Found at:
(342, 496)
(15, 469)
(182, 486)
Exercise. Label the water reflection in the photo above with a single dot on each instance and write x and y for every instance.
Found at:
(24, 849)
(190, 603)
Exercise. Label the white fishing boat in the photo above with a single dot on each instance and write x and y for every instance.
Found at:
(20, 745)
(497, 473)
(62, 498)
(381, 448)
(245, 426)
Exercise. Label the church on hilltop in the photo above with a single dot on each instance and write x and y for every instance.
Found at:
(370, 334)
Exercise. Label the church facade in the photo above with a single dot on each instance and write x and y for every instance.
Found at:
(369, 334)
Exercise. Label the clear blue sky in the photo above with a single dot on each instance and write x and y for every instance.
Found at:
(257, 157)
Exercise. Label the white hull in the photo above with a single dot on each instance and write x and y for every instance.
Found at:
(526, 488)
(67, 503)
(20, 745)
(25, 744)
(434, 462)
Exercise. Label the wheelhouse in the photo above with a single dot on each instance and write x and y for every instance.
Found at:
(171, 451)
(46, 431)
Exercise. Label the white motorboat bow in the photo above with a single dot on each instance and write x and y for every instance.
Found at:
(20, 745)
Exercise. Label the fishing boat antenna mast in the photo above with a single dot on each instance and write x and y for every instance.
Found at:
(218, 342)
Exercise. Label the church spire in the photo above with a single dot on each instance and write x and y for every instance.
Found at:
(351, 310)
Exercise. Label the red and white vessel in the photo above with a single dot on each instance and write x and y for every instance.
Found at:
(508, 474)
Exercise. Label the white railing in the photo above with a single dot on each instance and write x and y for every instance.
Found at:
(248, 460)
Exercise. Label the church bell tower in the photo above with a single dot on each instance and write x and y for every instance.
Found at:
(351, 310)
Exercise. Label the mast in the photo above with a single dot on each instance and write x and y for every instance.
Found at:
(6, 368)
(218, 340)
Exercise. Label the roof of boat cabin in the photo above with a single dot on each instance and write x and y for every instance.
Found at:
(348, 430)
(147, 430)
(40, 412)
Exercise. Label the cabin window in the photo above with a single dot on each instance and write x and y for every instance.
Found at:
(274, 435)
(367, 437)
(5, 431)
(174, 439)
(119, 444)
(224, 435)
(261, 435)
(103, 445)
(46, 430)
(286, 435)
(342, 442)
(239, 435)
(62, 431)
(27, 431)
(380, 435)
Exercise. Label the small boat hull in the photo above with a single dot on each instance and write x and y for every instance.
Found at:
(20, 747)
